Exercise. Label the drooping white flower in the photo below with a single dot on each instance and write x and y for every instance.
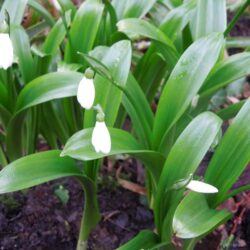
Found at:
(201, 187)
(101, 139)
(6, 51)
(86, 93)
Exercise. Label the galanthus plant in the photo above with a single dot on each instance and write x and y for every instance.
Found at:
(109, 61)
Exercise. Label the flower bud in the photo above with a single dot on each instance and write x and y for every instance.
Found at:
(201, 187)
(6, 51)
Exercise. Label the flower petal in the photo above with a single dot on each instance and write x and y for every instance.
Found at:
(201, 187)
(86, 93)
(101, 139)
(6, 51)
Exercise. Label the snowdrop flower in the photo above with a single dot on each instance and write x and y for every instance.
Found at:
(6, 51)
(201, 187)
(101, 139)
(86, 91)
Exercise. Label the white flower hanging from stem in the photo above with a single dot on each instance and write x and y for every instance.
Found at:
(201, 187)
(86, 90)
(6, 47)
(101, 139)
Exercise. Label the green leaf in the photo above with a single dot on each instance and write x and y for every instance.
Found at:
(183, 160)
(139, 111)
(15, 9)
(231, 111)
(227, 71)
(132, 8)
(79, 146)
(36, 169)
(207, 18)
(184, 83)
(231, 156)
(134, 27)
(194, 218)
(144, 240)
(48, 87)
(22, 50)
(87, 20)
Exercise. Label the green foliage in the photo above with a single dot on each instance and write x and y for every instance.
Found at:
(156, 76)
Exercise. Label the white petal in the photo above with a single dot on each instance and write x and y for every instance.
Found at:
(201, 187)
(101, 138)
(6, 51)
(86, 93)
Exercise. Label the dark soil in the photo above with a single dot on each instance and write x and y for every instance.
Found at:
(37, 219)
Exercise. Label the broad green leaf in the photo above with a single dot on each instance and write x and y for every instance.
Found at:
(231, 157)
(207, 18)
(36, 169)
(183, 160)
(184, 83)
(226, 72)
(117, 59)
(48, 87)
(87, 20)
(144, 240)
(79, 146)
(15, 9)
(134, 27)
(132, 8)
(194, 218)
(22, 50)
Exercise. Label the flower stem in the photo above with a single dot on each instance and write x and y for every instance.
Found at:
(91, 215)
(236, 17)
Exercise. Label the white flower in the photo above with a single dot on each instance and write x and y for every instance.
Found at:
(6, 51)
(201, 187)
(101, 138)
(56, 4)
(86, 93)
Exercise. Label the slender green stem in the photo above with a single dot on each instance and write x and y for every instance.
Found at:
(236, 17)
(91, 215)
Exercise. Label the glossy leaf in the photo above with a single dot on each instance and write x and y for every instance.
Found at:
(184, 83)
(207, 18)
(48, 87)
(194, 218)
(36, 169)
(231, 157)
